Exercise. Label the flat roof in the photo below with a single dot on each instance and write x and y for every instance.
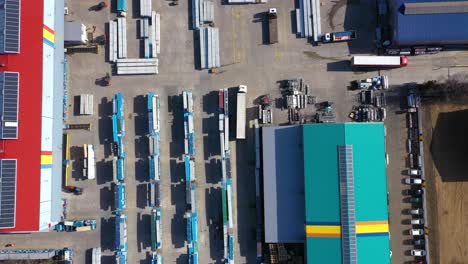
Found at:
(322, 191)
(426, 27)
(283, 184)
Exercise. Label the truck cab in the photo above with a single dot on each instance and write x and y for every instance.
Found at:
(272, 12)
(242, 88)
(272, 25)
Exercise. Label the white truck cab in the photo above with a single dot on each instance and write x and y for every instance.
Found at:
(242, 88)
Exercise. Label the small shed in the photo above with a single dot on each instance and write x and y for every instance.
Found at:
(75, 33)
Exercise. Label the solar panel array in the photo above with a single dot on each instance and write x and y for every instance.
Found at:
(347, 204)
(7, 192)
(9, 26)
(9, 85)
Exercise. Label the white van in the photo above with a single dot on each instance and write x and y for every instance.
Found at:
(416, 232)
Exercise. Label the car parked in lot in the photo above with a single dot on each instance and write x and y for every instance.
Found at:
(416, 200)
(413, 172)
(413, 192)
(417, 211)
(413, 181)
(418, 242)
(416, 232)
(418, 252)
(417, 221)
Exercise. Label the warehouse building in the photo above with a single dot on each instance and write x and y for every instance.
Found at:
(324, 186)
(429, 23)
(31, 79)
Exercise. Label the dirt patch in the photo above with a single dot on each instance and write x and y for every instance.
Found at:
(446, 187)
(316, 56)
(336, 6)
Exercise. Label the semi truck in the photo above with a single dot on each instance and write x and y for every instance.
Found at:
(241, 115)
(379, 61)
(273, 25)
(76, 226)
(339, 36)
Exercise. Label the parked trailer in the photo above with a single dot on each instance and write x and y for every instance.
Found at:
(156, 239)
(153, 115)
(120, 200)
(86, 104)
(112, 41)
(145, 8)
(96, 256)
(378, 61)
(241, 112)
(89, 169)
(122, 8)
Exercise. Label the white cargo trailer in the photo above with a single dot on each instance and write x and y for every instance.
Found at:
(241, 115)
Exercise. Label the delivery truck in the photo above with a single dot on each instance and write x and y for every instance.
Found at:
(339, 36)
(273, 25)
(378, 61)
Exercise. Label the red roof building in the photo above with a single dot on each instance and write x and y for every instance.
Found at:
(30, 161)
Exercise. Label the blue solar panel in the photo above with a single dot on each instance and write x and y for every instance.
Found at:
(7, 192)
(9, 26)
(9, 83)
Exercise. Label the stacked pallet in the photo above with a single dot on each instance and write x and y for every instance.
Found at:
(86, 104)
(155, 33)
(137, 66)
(209, 48)
(150, 35)
(113, 41)
(308, 19)
(145, 8)
(144, 28)
(202, 12)
(121, 37)
(206, 11)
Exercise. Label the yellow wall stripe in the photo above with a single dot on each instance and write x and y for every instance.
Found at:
(46, 159)
(48, 35)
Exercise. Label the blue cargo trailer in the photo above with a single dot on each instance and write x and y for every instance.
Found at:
(122, 7)
(120, 170)
(120, 201)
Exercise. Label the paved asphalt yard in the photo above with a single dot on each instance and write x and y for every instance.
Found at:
(245, 60)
